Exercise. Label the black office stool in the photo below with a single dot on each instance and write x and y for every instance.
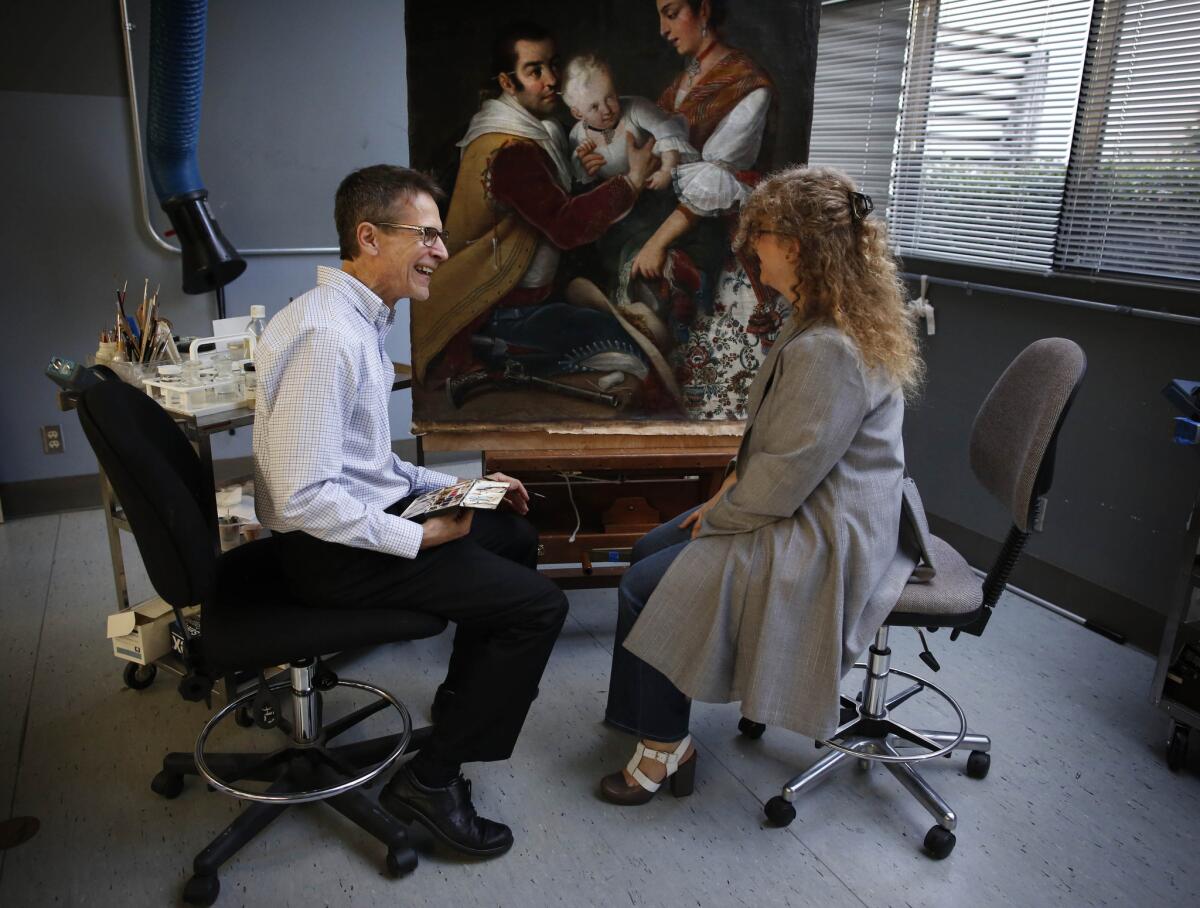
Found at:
(248, 624)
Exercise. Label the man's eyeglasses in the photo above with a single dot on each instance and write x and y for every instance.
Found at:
(429, 235)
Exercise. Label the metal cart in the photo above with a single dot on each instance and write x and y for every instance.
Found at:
(199, 430)
(1178, 631)
(1181, 628)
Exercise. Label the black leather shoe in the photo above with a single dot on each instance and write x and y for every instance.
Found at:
(447, 813)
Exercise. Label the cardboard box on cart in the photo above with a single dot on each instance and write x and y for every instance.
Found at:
(142, 633)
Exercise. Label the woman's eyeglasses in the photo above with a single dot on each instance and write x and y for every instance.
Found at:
(429, 235)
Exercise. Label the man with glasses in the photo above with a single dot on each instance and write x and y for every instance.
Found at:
(330, 488)
(511, 216)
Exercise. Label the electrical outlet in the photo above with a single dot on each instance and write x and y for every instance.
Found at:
(52, 440)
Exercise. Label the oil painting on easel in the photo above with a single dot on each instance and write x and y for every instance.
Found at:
(594, 157)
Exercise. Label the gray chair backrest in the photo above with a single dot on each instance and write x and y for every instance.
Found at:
(1012, 440)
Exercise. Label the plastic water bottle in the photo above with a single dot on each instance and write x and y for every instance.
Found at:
(256, 326)
(258, 321)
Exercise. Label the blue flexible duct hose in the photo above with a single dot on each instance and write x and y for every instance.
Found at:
(177, 29)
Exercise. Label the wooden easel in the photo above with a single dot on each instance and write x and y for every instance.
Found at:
(612, 487)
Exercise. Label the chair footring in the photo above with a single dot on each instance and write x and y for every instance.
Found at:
(969, 741)
(882, 739)
(210, 770)
(879, 727)
(367, 753)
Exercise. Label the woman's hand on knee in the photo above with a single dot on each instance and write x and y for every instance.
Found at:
(696, 518)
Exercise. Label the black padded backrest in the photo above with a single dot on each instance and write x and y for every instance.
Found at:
(1014, 435)
(159, 482)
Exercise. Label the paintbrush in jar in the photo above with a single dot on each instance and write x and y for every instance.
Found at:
(146, 323)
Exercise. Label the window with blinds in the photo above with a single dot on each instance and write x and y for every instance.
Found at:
(985, 135)
(1133, 189)
(860, 70)
(1035, 135)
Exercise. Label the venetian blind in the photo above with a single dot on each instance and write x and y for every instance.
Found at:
(1133, 193)
(985, 130)
(860, 70)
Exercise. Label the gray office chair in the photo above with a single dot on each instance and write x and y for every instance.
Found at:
(1012, 455)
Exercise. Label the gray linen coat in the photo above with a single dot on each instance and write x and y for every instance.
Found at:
(797, 566)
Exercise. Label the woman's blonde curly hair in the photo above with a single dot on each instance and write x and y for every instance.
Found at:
(845, 271)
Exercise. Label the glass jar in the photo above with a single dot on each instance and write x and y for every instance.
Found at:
(238, 349)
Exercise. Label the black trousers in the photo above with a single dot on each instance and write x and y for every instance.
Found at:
(507, 617)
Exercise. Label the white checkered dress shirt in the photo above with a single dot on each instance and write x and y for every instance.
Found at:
(323, 460)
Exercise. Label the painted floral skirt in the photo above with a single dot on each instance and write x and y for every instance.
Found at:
(721, 350)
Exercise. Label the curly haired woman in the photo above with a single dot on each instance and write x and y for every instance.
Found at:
(767, 592)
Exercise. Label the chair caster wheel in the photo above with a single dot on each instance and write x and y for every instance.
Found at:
(752, 730)
(139, 677)
(201, 890)
(243, 717)
(167, 784)
(401, 863)
(978, 764)
(1177, 748)
(939, 842)
(779, 812)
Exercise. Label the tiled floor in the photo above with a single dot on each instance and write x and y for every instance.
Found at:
(1079, 808)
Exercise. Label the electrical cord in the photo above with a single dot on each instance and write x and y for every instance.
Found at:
(571, 495)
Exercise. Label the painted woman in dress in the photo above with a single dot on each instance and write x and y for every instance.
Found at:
(719, 315)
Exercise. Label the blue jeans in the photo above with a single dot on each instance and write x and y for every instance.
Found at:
(640, 698)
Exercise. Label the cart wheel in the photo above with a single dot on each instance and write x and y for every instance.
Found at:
(779, 811)
(139, 677)
(978, 764)
(1177, 748)
(751, 729)
(939, 842)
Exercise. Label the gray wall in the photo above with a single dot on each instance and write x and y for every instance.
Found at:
(1112, 546)
(70, 233)
(295, 95)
